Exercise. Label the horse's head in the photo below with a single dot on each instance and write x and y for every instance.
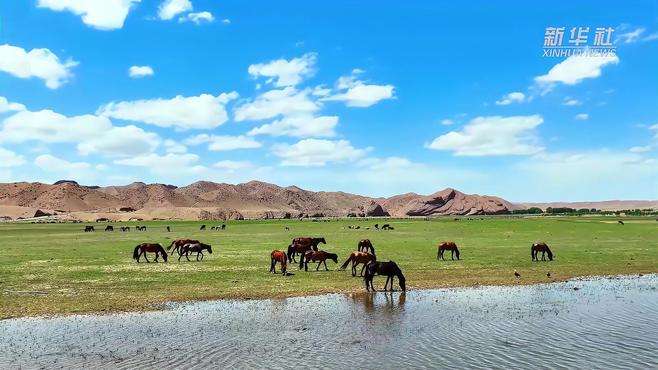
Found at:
(207, 246)
(321, 240)
(402, 280)
(333, 257)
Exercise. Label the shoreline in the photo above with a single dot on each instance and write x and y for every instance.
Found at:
(162, 306)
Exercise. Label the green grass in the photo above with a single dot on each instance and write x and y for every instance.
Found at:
(58, 269)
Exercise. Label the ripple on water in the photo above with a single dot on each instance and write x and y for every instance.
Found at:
(607, 323)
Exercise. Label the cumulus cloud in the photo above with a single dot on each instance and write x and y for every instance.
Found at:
(7, 106)
(357, 93)
(51, 163)
(283, 72)
(571, 102)
(10, 159)
(575, 69)
(513, 97)
(197, 18)
(168, 9)
(140, 71)
(39, 63)
(172, 146)
(317, 152)
(299, 126)
(99, 14)
(286, 102)
(93, 134)
(581, 117)
(219, 143)
(195, 112)
(229, 165)
(492, 136)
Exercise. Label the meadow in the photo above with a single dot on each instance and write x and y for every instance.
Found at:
(49, 269)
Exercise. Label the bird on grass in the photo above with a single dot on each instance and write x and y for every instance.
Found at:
(518, 276)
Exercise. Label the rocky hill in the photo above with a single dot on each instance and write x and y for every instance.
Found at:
(209, 200)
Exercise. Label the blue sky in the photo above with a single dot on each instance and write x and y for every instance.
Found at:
(376, 98)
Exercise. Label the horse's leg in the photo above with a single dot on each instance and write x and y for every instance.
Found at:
(147, 260)
(180, 255)
(362, 268)
(317, 268)
(139, 255)
(543, 255)
(353, 269)
(199, 253)
(272, 264)
(187, 255)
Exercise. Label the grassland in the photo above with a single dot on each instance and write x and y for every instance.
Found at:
(58, 269)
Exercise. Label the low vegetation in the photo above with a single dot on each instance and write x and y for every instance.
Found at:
(59, 269)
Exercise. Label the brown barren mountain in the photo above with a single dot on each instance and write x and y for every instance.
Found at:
(209, 200)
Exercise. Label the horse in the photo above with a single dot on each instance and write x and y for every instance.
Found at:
(168, 229)
(543, 248)
(149, 247)
(390, 269)
(278, 256)
(377, 226)
(620, 222)
(320, 257)
(194, 247)
(223, 226)
(366, 246)
(450, 246)
(89, 229)
(301, 245)
(179, 243)
(357, 258)
(386, 227)
(203, 227)
(109, 228)
(140, 228)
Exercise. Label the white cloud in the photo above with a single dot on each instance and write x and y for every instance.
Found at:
(229, 165)
(631, 37)
(299, 126)
(575, 69)
(226, 21)
(513, 97)
(39, 63)
(356, 93)
(654, 142)
(283, 72)
(571, 102)
(168, 9)
(219, 143)
(287, 102)
(100, 14)
(641, 149)
(197, 18)
(10, 159)
(447, 122)
(172, 146)
(170, 164)
(316, 152)
(581, 117)
(51, 163)
(493, 135)
(93, 134)
(195, 112)
(7, 106)
(140, 71)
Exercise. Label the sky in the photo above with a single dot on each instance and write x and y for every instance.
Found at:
(374, 98)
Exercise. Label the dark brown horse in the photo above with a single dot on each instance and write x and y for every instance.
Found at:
(543, 248)
(447, 246)
(194, 247)
(366, 246)
(390, 269)
(301, 246)
(320, 257)
(278, 256)
(358, 258)
(151, 248)
(179, 243)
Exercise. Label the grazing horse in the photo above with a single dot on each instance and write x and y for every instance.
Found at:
(301, 245)
(357, 258)
(278, 256)
(366, 246)
(386, 227)
(390, 269)
(89, 229)
(149, 247)
(140, 228)
(109, 228)
(620, 222)
(543, 248)
(203, 227)
(194, 247)
(178, 244)
(320, 257)
(168, 229)
(450, 246)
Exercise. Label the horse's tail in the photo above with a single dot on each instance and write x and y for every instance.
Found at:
(347, 262)
(290, 253)
(532, 251)
(550, 254)
(136, 252)
(171, 245)
(163, 252)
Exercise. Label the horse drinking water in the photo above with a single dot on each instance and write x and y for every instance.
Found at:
(390, 269)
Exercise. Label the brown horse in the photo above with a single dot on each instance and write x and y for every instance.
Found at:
(179, 243)
(366, 246)
(543, 248)
(278, 256)
(194, 247)
(320, 257)
(357, 258)
(450, 246)
(390, 269)
(301, 246)
(149, 247)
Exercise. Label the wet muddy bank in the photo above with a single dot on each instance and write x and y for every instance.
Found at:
(589, 322)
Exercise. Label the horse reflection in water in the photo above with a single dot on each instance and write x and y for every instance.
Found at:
(373, 303)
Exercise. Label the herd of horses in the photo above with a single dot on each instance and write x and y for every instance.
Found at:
(181, 246)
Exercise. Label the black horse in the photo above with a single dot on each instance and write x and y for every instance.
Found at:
(390, 269)
(195, 247)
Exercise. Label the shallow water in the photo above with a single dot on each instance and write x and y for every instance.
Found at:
(606, 323)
